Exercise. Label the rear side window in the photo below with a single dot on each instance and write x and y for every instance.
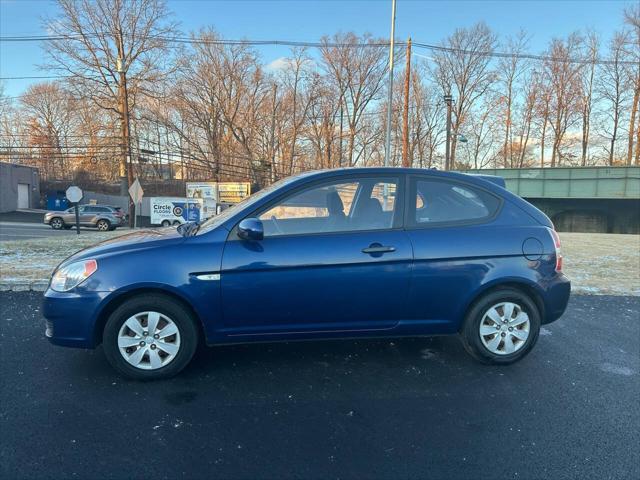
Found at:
(449, 202)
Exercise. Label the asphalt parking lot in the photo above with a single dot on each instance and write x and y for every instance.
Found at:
(406, 408)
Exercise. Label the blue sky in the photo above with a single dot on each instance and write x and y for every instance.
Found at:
(424, 20)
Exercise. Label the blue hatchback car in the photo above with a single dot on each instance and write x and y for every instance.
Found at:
(364, 252)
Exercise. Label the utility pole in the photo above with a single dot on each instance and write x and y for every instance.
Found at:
(341, 127)
(447, 157)
(126, 171)
(387, 144)
(273, 134)
(405, 116)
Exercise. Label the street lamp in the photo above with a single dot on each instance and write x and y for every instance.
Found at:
(387, 143)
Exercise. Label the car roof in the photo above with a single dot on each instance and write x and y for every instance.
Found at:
(481, 180)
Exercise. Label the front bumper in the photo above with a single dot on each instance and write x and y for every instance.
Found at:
(71, 317)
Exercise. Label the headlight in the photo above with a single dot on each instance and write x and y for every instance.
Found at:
(72, 275)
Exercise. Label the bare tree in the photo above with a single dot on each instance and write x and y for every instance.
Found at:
(611, 88)
(49, 113)
(110, 47)
(299, 90)
(323, 124)
(632, 19)
(511, 68)
(591, 46)
(427, 119)
(563, 77)
(463, 68)
(356, 66)
(483, 134)
(531, 94)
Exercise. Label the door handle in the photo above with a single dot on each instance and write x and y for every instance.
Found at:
(376, 248)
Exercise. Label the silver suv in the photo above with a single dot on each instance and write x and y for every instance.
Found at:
(102, 217)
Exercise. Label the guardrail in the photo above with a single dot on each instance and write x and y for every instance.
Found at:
(570, 182)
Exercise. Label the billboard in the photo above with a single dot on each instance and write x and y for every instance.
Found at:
(233, 192)
(221, 192)
(208, 193)
(202, 190)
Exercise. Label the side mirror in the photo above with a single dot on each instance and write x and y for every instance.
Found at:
(251, 229)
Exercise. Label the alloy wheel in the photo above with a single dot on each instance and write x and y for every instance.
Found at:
(56, 223)
(103, 226)
(504, 328)
(149, 340)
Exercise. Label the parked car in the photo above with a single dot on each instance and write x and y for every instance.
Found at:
(333, 254)
(102, 217)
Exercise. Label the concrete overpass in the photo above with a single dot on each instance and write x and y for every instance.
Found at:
(580, 199)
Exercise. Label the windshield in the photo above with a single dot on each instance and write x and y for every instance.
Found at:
(219, 219)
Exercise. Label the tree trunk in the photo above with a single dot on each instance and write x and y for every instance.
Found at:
(544, 133)
(614, 134)
(506, 147)
(632, 125)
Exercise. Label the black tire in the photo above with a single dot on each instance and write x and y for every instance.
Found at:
(68, 227)
(470, 332)
(103, 225)
(151, 302)
(165, 223)
(56, 223)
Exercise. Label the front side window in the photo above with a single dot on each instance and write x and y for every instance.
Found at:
(448, 202)
(339, 206)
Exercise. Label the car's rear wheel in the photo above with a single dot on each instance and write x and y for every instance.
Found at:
(501, 327)
(103, 225)
(56, 223)
(150, 337)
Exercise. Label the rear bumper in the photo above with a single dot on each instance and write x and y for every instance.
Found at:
(70, 317)
(556, 298)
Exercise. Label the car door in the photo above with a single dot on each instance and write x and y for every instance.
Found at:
(334, 258)
(70, 215)
(87, 215)
(456, 246)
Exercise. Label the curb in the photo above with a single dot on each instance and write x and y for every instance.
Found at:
(35, 286)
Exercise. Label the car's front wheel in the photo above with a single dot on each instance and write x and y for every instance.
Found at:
(150, 337)
(501, 327)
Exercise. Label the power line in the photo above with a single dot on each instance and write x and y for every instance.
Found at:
(37, 77)
(329, 44)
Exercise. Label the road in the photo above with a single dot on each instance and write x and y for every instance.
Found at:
(410, 408)
(24, 231)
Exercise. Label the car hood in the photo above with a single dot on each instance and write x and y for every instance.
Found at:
(131, 241)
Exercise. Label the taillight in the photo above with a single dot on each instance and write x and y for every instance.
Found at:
(556, 243)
